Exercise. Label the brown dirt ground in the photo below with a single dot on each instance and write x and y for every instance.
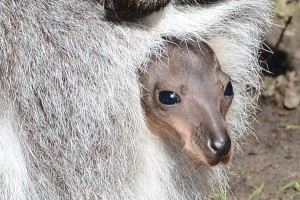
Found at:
(273, 160)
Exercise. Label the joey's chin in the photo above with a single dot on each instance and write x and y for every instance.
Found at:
(200, 159)
(219, 160)
(214, 159)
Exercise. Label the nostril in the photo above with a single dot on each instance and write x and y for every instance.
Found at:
(221, 146)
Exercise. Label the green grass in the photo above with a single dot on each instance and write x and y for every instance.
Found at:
(285, 8)
(219, 195)
(256, 192)
(288, 126)
(293, 184)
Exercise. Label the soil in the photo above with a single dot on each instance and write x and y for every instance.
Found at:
(271, 158)
(269, 167)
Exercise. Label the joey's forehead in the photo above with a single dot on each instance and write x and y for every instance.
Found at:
(187, 65)
(188, 70)
(183, 73)
(191, 62)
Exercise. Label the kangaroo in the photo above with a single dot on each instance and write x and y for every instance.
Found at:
(72, 125)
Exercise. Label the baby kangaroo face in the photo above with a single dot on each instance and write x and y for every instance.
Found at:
(186, 97)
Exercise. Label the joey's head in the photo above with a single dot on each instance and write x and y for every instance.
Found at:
(186, 97)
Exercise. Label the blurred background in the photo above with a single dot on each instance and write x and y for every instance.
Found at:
(269, 166)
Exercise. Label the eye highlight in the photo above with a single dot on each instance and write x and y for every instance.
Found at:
(168, 97)
(229, 89)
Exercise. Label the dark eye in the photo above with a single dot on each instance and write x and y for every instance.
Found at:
(168, 97)
(228, 90)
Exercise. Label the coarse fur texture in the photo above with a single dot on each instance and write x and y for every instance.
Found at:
(71, 121)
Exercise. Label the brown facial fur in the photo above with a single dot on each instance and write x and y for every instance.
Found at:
(197, 122)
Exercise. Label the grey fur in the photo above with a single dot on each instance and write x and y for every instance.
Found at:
(71, 123)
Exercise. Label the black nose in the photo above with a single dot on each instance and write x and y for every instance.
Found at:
(220, 146)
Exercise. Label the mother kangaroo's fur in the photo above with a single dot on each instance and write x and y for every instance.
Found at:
(71, 121)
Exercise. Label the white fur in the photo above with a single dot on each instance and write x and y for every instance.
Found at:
(71, 124)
